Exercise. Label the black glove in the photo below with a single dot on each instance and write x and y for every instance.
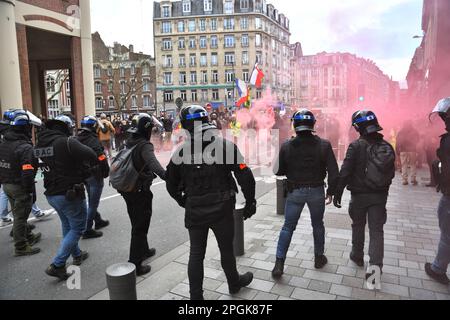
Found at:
(337, 200)
(250, 209)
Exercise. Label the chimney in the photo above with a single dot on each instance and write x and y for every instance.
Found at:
(131, 48)
(117, 48)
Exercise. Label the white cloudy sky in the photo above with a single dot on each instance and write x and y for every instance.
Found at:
(380, 30)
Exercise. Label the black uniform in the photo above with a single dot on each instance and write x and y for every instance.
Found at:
(17, 172)
(207, 191)
(366, 203)
(90, 139)
(139, 203)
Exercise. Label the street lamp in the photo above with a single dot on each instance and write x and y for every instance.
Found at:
(417, 37)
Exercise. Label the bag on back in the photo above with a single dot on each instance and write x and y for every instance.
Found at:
(123, 175)
(380, 165)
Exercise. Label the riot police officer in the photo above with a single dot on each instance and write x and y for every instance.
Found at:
(18, 168)
(367, 171)
(441, 169)
(139, 202)
(305, 160)
(87, 135)
(200, 179)
(64, 158)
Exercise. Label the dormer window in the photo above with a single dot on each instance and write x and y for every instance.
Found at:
(186, 6)
(229, 7)
(207, 5)
(245, 4)
(166, 12)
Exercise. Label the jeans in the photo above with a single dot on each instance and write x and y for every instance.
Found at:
(73, 216)
(442, 260)
(3, 204)
(139, 206)
(21, 203)
(295, 202)
(94, 189)
(224, 232)
(371, 207)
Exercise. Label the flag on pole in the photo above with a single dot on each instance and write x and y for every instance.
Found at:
(257, 77)
(243, 92)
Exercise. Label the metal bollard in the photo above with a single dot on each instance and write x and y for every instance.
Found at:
(281, 195)
(121, 280)
(238, 242)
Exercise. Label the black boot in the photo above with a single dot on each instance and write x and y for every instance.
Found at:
(143, 270)
(320, 261)
(60, 273)
(441, 278)
(244, 281)
(100, 223)
(92, 234)
(359, 261)
(278, 270)
(149, 254)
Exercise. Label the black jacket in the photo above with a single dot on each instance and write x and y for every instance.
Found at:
(90, 139)
(306, 160)
(205, 187)
(443, 154)
(352, 173)
(145, 162)
(64, 161)
(18, 164)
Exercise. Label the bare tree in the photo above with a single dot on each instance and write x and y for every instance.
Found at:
(59, 79)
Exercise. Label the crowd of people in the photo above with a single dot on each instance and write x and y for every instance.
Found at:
(77, 164)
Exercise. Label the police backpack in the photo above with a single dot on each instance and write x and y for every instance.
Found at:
(379, 164)
(123, 175)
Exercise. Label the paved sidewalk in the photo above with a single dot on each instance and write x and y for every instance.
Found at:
(411, 239)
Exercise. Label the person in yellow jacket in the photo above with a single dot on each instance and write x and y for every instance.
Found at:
(235, 127)
(105, 132)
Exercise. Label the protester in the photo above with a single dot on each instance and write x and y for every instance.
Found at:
(407, 140)
(105, 132)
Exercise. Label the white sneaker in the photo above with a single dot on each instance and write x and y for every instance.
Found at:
(6, 222)
(42, 215)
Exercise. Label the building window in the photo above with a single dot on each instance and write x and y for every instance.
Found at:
(186, 6)
(122, 72)
(145, 69)
(181, 26)
(229, 76)
(193, 60)
(204, 95)
(166, 11)
(168, 61)
(215, 94)
(166, 27)
(203, 60)
(98, 87)
(245, 4)
(202, 25)
(228, 23)
(111, 102)
(146, 85)
(245, 59)
(207, 5)
(181, 43)
(167, 44)
(194, 95)
(110, 71)
(122, 87)
(229, 41)
(245, 76)
(110, 86)
(98, 103)
(229, 59)
(258, 94)
(133, 69)
(192, 43)
(258, 23)
(259, 57)
(214, 24)
(168, 96)
(204, 77)
(244, 23)
(167, 78)
(258, 41)
(193, 77)
(214, 59)
(146, 101)
(215, 76)
(183, 78)
(203, 42)
(134, 102)
(51, 84)
(229, 7)
(214, 42)
(183, 95)
(191, 25)
(244, 40)
(182, 61)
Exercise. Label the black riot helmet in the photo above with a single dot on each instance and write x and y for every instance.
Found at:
(63, 123)
(365, 122)
(443, 109)
(195, 119)
(142, 125)
(304, 120)
(89, 123)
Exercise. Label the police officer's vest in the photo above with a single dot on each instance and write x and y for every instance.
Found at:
(10, 170)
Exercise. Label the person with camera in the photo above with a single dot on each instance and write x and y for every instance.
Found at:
(18, 167)
(199, 178)
(87, 135)
(64, 159)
